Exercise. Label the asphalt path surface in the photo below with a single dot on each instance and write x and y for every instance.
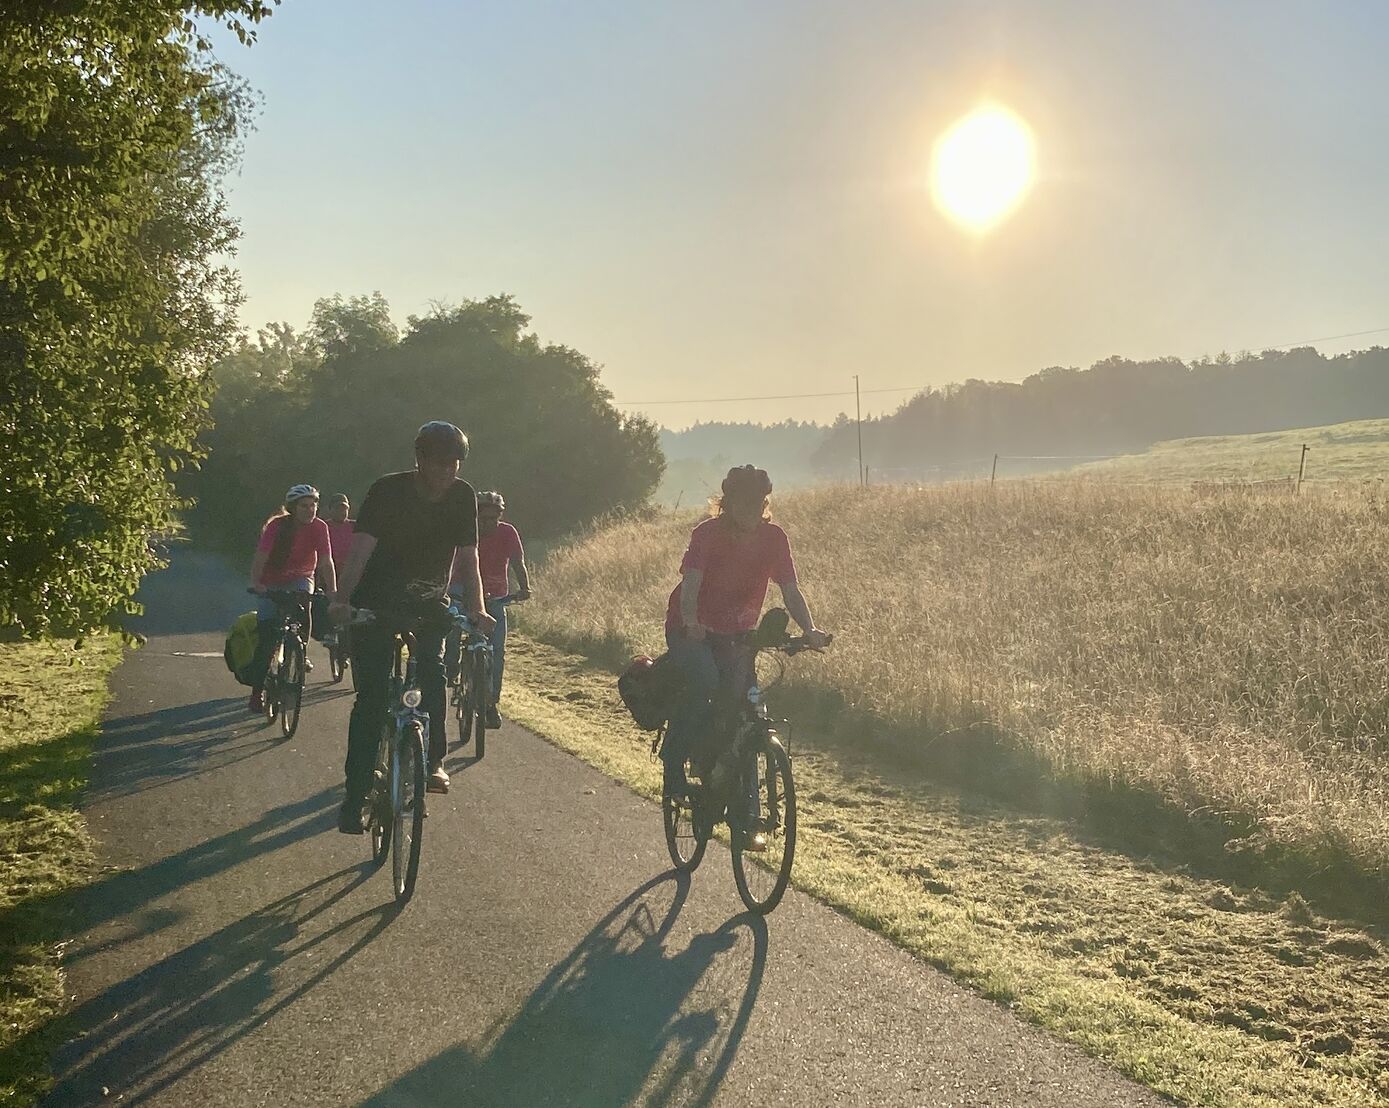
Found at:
(238, 950)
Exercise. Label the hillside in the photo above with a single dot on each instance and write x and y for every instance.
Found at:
(1358, 450)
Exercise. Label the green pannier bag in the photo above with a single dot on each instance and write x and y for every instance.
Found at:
(240, 650)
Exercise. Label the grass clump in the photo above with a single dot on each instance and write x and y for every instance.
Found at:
(51, 696)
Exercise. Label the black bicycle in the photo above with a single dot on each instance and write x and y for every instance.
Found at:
(748, 785)
(471, 693)
(396, 798)
(339, 646)
(284, 679)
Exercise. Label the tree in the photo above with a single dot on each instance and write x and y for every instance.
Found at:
(115, 127)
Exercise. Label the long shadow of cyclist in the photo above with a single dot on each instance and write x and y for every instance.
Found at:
(620, 1018)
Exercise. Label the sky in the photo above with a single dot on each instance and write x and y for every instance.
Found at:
(731, 199)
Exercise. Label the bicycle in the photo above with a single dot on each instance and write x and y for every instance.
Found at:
(284, 678)
(395, 800)
(340, 656)
(471, 693)
(749, 785)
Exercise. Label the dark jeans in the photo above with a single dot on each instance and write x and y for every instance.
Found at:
(270, 621)
(714, 671)
(373, 652)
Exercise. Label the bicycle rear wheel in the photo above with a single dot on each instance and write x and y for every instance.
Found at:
(407, 803)
(684, 840)
(762, 875)
(336, 670)
(291, 686)
(463, 705)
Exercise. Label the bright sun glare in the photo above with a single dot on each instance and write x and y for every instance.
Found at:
(982, 167)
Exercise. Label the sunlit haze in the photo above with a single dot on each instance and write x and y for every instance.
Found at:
(732, 200)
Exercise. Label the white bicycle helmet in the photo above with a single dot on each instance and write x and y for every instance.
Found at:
(298, 492)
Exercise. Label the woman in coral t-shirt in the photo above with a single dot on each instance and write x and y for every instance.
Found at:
(293, 547)
(730, 561)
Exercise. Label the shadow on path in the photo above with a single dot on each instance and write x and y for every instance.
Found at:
(613, 1022)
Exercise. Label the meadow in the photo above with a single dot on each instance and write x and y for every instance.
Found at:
(1217, 658)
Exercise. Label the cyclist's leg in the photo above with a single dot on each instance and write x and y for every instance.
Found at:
(267, 635)
(372, 654)
(691, 719)
(429, 672)
(497, 612)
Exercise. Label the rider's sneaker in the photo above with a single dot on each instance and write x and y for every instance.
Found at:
(494, 718)
(350, 817)
(754, 842)
(257, 702)
(308, 666)
(438, 780)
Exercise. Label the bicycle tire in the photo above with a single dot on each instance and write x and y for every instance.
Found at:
(270, 688)
(336, 670)
(683, 841)
(777, 798)
(291, 687)
(482, 690)
(462, 707)
(407, 806)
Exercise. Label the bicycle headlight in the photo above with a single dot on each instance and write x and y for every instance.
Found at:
(412, 698)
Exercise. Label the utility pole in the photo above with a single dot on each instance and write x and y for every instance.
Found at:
(858, 420)
(1301, 467)
(993, 473)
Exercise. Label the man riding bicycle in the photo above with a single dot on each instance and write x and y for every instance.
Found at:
(731, 559)
(498, 549)
(417, 528)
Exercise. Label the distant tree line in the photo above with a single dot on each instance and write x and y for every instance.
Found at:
(338, 405)
(116, 128)
(1117, 406)
(698, 457)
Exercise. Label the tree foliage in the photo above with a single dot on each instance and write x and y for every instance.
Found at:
(115, 128)
(339, 406)
(1116, 406)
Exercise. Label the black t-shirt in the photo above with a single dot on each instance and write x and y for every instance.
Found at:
(415, 537)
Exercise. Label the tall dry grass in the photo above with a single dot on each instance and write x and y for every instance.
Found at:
(1228, 653)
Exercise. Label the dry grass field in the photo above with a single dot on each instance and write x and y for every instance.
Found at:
(1220, 657)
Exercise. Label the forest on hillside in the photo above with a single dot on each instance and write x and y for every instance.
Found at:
(1117, 406)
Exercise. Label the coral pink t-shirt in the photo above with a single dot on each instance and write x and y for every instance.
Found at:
(494, 554)
(737, 569)
(308, 546)
(340, 541)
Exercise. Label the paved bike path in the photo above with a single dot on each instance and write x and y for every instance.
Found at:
(239, 951)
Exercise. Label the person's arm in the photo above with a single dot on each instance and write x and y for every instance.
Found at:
(362, 546)
(689, 603)
(258, 566)
(327, 571)
(800, 611)
(465, 576)
(518, 567)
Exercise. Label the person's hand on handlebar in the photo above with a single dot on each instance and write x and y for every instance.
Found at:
(521, 594)
(817, 639)
(482, 621)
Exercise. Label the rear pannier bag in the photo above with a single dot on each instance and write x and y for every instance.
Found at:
(240, 649)
(650, 687)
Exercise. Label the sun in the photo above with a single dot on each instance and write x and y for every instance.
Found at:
(982, 167)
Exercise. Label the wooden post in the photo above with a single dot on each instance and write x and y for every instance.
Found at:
(993, 473)
(1301, 467)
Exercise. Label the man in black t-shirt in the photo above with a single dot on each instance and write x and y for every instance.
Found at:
(415, 529)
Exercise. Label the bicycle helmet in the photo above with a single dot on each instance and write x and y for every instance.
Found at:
(491, 499)
(339, 498)
(440, 439)
(747, 481)
(299, 492)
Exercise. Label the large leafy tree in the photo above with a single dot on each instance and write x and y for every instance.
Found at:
(339, 407)
(115, 128)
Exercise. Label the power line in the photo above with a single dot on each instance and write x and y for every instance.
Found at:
(919, 388)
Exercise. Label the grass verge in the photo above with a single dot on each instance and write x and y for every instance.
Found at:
(1208, 991)
(51, 696)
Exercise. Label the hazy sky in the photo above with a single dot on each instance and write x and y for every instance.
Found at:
(730, 199)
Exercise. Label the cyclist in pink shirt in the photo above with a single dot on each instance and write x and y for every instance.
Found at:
(499, 550)
(731, 560)
(293, 544)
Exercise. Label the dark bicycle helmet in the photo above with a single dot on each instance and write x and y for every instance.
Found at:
(747, 481)
(440, 439)
(491, 499)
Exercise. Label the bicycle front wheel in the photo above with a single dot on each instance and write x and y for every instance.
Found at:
(291, 687)
(764, 833)
(482, 697)
(463, 706)
(684, 839)
(407, 805)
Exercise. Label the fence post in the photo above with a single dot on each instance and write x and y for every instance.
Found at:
(993, 473)
(1301, 467)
